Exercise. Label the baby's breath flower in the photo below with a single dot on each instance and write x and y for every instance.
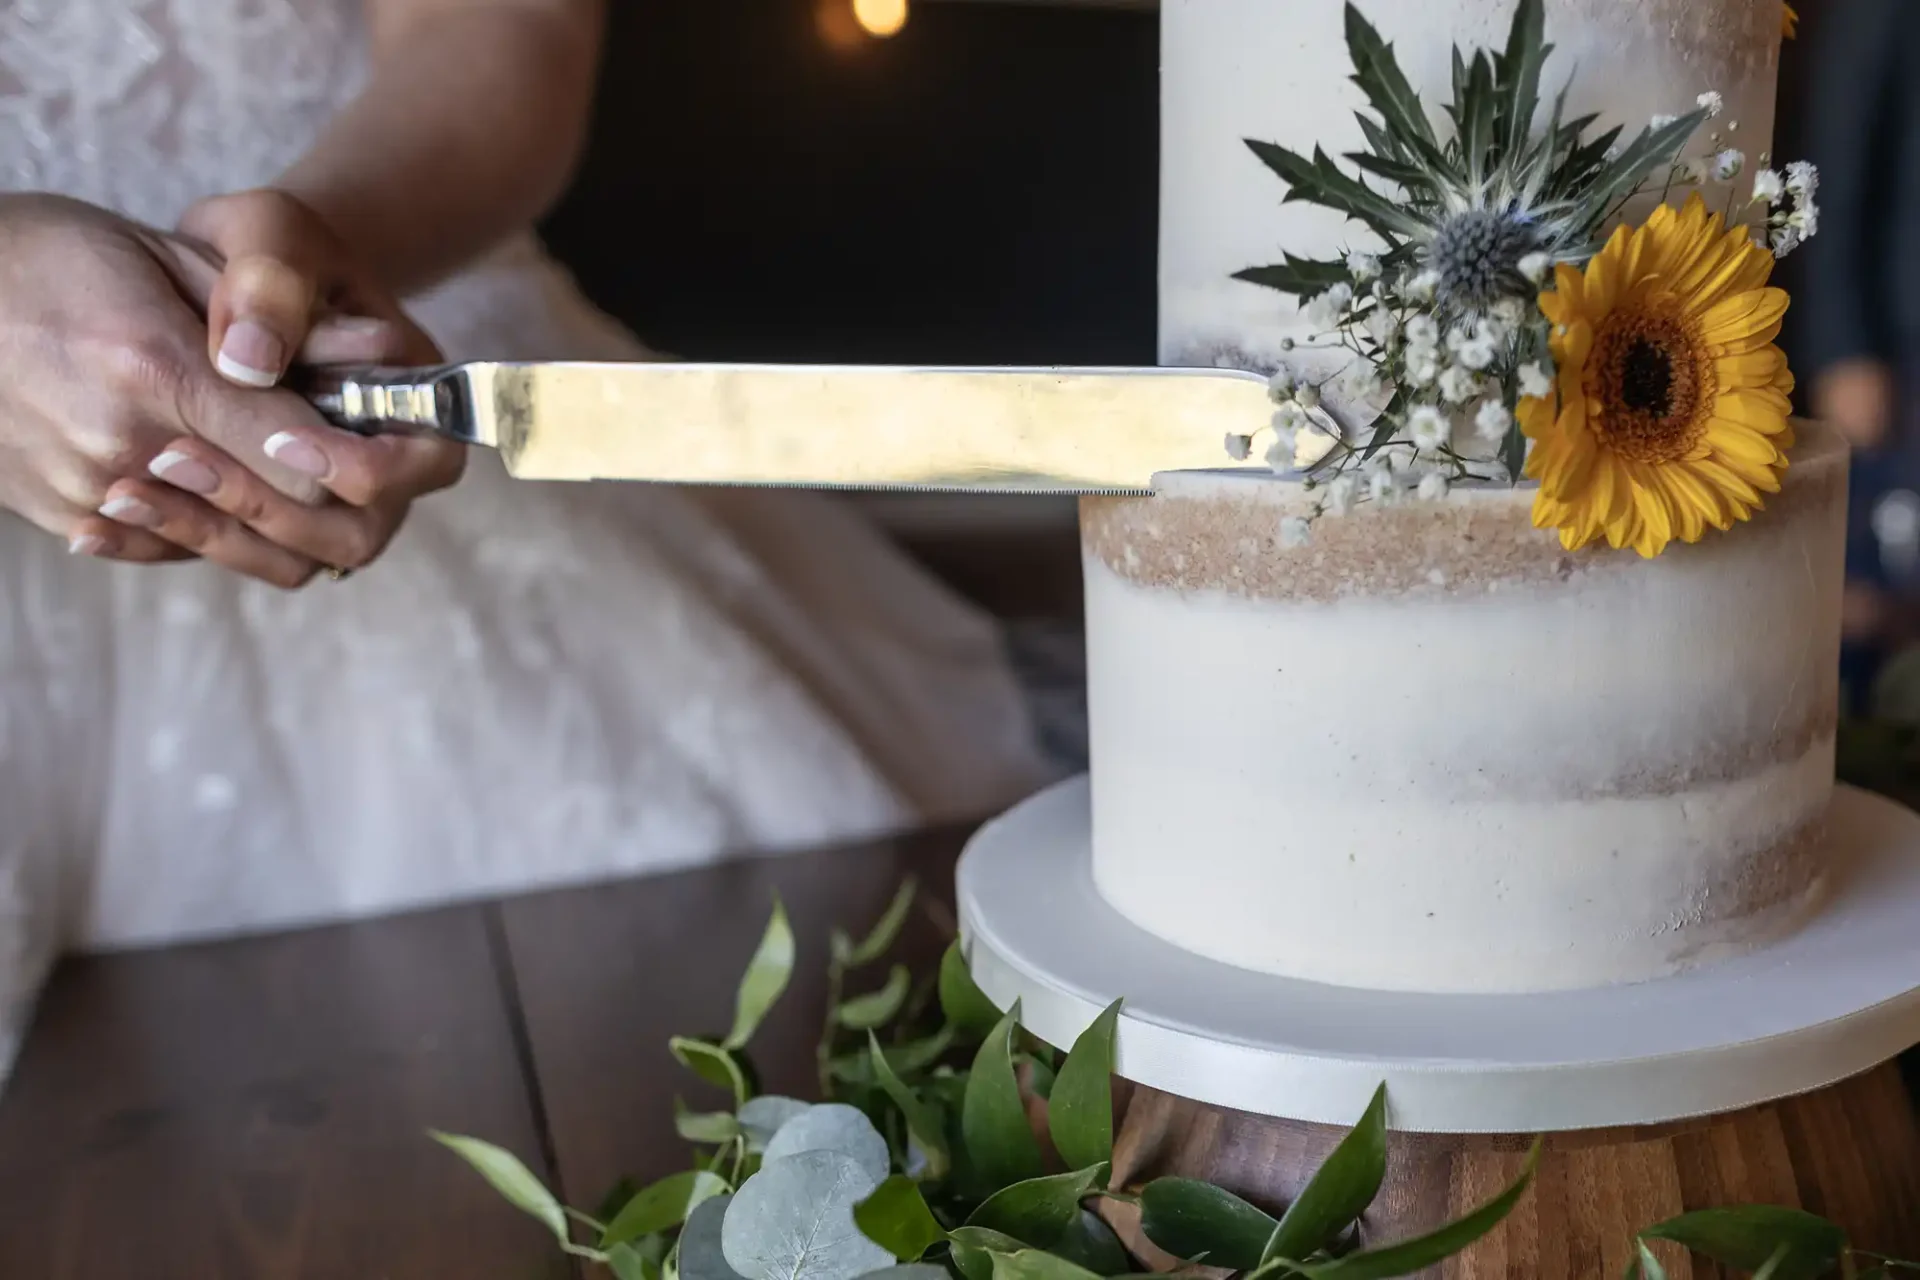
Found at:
(1280, 386)
(1429, 428)
(1324, 312)
(1728, 165)
(1433, 486)
(1803, 179)
(1239, 447)
(1493, 421)
(1281, 453)
(1422, 286)
(1383, 486)
(1423, 333)
(1458, 384)
(1510, 314)
(1479, 352)
(1661, 121)
(1294, 532)
(1536, 380)
(1536, 267)
(1369, 385)
(1713, 103)
(1423, 366)
(1341, 495)
(1363, 267)
(1382, 326)
(1289, 417)
(1307, 396)
(1768, 187)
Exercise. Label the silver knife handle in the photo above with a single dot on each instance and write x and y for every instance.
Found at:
(379, 400)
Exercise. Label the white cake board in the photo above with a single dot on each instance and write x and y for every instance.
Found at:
(1837, 998)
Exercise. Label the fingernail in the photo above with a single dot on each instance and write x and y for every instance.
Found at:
(250, 354)
(291, 451)
(182, 472)
(130, 511)
(87, 544)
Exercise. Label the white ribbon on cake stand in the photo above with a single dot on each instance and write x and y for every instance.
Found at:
(1837, 998)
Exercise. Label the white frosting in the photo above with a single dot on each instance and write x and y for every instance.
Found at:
(1525, 785)
(1278, 71)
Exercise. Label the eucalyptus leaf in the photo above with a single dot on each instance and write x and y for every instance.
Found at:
(833, 1126)
(512, 1179)
(794, 1221)
(712, 1063)
(1746, 1237)
(876, 1008)
(1039, 1210)
(965, 1005)
(1032, 1264)
(924, 1124)
(1080, 1109)
(1421, 1252)
(896, 1216)
(1340, 1190)
(662, 1205)
(706, 1127)
(1001, 1148)
(910, 1271)
(1195, 1221)
(760, 1118)
(887, 930)
(1089, 1242)
(766, 977)
(701, 1257)
(973, 1250)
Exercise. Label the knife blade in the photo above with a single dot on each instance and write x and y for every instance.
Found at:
(1008, 430)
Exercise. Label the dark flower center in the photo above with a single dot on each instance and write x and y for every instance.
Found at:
(1646, 378)
(1653, 383)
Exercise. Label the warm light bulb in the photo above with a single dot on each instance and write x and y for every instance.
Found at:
(880, 17)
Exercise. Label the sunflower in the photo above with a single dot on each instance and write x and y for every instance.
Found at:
(1670, 412)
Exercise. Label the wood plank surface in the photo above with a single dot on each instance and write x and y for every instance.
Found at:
(608, 973)
(255, 1109)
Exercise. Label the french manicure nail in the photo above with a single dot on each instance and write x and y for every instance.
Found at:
(127, 510)
(291, 451)
(251, 354)
(87, 544)
(182, 472)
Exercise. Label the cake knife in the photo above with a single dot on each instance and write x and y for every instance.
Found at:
(1007, 430)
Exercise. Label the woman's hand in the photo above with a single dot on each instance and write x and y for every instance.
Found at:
(297, 495)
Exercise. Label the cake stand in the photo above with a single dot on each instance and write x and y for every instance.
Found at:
(1761, 1079)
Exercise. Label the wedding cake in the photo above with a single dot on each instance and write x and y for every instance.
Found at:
(1518, 670)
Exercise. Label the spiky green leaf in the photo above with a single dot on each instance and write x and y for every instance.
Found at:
(1378, 74)
(1319, 181)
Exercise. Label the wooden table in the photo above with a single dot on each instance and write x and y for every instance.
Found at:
(257, 1109)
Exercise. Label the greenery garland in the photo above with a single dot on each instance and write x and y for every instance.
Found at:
(954, 1145)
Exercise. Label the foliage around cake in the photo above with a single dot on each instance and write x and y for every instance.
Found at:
(1506, 323)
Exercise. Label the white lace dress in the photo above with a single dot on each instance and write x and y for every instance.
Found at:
(538, 683)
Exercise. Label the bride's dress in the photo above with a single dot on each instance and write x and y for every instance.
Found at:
(537, 683)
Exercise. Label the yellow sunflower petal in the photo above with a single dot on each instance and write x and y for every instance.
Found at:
(1744, 316)
(1757, 412)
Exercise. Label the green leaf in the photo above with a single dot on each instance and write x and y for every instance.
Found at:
(1089, 1242)
(1477, 128)
(923, 1121)
(1298, 276)
(794, 1221)
(1080, 1110)
(512, 1179)
(1378, 74)
(1039, 1076)
(974, 1248)
(1197, 1222)
(1746, 1237)
(1409, 177)
(711, 1063)
(1771, 1268)
(1421, 1252)
(1654, 150)
(628, 1263)
(1001, 1148)
(964, 1004)
(1319, 181)
(862, 1013)
(1039, 1210)
(906, 1059)
(765, 978)
(664, 1204)
(708, 1127)
(896, 1217)
(887, 930)
(1520, 74)
(1032, 1264)
(1645, 1265)
(1340, 1190)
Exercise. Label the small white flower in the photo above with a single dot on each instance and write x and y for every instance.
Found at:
(1239, 447)
(1509, 314)
(1364, 267)
(1423, 333)
(1368, 385)
(1493, 421)
(1479, 353)
(1537, 267)
(1294, 532)
(1382, 326)
(1423, 285)
(1383, 486)
(1307, 396)
(1280, 386)
(1536, 380)
(1433, 486)
(1728, 165)
(1803, 179)
(1429, 428)
(1458, 385)
(1280, 454)
(1805, 219)
(1661, 121)
(1713, 103)
(1342, 494)
(1784, 241)
(1324, 312)
(1768, 187)
(1423, 366)
(1289, 418)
